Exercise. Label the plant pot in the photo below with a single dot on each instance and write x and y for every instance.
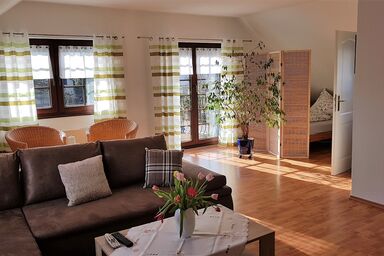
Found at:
(188, 222)
(245, 146)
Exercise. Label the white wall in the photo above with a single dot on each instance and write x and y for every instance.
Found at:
(368, 122)
(68, 123)
(308, 26)
(65, 19)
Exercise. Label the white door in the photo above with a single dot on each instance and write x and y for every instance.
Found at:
(343, 102)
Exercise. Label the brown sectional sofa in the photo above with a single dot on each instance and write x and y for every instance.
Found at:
(16, 238)
(35, 218)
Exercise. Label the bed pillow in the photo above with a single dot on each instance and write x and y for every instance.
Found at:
(85, 180)
(322, 109)
(160, 165)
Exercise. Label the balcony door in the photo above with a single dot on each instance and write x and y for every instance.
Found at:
(200, 66)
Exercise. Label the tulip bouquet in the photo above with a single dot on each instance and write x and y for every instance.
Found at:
(186, 194)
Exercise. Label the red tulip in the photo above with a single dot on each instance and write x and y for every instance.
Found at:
(191, 192)
(177, 199)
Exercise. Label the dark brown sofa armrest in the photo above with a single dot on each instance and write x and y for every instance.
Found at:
(192, 170)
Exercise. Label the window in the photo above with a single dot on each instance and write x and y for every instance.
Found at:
(63, 77)
(200, 65)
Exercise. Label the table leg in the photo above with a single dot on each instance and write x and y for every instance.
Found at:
(267, 245)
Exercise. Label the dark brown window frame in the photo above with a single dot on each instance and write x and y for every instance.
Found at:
(196, 142)
(58, 108)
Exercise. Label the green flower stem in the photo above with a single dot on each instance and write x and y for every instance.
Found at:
(178, 198)
(181, 222)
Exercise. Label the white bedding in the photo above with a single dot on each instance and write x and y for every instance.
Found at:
(321, 126)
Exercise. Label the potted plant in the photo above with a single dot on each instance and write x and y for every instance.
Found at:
(185, 198)
(254, 99)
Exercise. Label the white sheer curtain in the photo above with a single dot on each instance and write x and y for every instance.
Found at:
(208, 65)
(41, 62)
(76, 62)
(186, 67)
(76, 68)
(42, 73)
(208, 60)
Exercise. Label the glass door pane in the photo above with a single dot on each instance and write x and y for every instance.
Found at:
(186, 72)
(208, 67)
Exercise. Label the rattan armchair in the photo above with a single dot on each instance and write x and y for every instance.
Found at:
(113, 129)
(33, 136)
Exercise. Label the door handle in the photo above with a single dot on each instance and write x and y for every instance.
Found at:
(338, 102)
(335, 101)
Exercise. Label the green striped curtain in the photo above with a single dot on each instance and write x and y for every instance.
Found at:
(165, 68)
(232, 53)
(109, 85)
(17, 95)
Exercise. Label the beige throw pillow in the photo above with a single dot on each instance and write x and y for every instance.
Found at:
(84, 181)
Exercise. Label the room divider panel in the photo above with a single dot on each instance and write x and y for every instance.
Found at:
(291, 140)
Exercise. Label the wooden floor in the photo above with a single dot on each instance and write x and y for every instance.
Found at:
(309, 209)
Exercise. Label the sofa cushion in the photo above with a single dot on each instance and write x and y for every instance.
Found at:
(192, 170)
(84, 180)
(16, 239)
(160, 165)
(54, 218)
(124, 160)
(39, 169)
(10, 187)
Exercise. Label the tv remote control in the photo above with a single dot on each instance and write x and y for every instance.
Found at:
(112, 241)
(122, 239)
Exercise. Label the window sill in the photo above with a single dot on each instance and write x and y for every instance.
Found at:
(76, 111)
(59, 115)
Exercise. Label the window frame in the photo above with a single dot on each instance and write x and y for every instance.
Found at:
(196, 141)
(58, 108)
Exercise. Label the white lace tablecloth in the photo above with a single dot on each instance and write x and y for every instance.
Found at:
(216, 233)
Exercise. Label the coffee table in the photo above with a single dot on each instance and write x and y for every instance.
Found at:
(256, 232)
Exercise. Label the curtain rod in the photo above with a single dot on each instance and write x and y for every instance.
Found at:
(196, 39)
(57, 35)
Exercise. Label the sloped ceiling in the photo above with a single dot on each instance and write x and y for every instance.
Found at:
(233, 8)
(5, 5)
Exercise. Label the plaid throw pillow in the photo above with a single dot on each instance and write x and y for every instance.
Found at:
(160, 165)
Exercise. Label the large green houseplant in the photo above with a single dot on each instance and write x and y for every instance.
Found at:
(254, 99)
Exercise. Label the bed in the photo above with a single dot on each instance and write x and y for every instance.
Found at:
(321, 117)
(320, 130)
